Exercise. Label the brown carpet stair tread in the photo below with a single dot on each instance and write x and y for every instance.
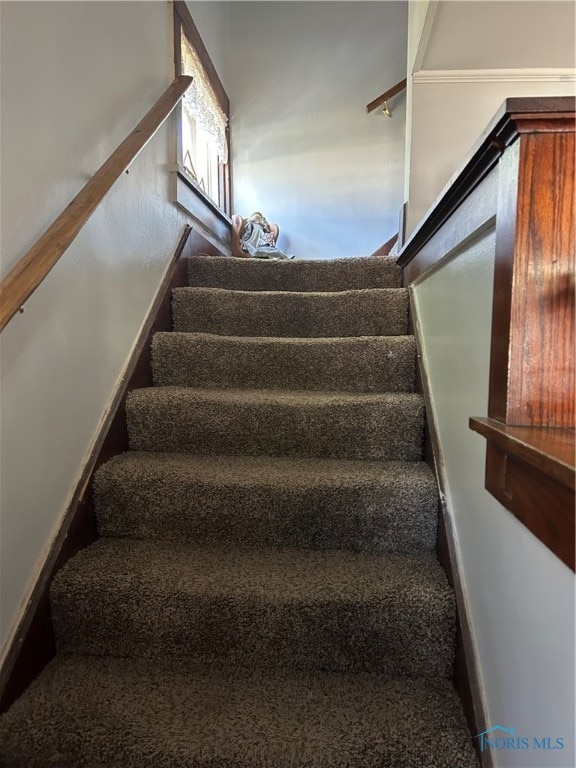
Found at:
(298, 275)
(331, 610)
(373, 426)
(360, 364)
(129, 713)
(266, 501)
(265, 591)
(367, 312)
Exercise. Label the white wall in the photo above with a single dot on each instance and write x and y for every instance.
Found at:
(213, 21)
(305, 152)
(501, 35)
(448, 119)
(76, 78)
(476, 55)
(520, 596)
(420, 12)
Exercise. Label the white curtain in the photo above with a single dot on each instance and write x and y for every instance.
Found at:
(201, 102)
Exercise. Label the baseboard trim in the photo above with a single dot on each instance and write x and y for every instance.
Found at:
(466, 670)
(33, 645)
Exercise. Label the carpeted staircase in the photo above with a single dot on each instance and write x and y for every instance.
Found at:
(265, 593)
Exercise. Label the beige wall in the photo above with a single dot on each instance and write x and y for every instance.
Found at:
(520, 597)
(76, 78)
(471, 57)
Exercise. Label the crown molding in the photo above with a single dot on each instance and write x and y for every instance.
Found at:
(495, 76)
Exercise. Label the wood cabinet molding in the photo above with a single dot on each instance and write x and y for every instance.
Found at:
(521, 178)
(515, 117)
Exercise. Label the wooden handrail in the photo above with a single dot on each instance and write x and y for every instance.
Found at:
(31, 270)
(385, 249)
(386, 95)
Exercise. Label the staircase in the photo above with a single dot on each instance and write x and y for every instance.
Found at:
(265, 592)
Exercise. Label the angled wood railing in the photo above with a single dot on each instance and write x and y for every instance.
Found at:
(384, 97)
(31, 270)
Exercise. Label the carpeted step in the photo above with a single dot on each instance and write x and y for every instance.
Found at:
(264, 501)
(343, 425)
(266, 594)
(128, 713)
(374, 312)
(297, 275)
(363, 364)
(339, 611)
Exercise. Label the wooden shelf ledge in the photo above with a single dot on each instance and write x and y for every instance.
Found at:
(550, 450)
(531, 471)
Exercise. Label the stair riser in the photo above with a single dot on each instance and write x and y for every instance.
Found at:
(316, 315)
(174, 420)
(384, 364)
(388, 518)
(390, 639)
(251, 275)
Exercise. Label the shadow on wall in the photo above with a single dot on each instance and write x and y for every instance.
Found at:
(324, 201)
(305, 151)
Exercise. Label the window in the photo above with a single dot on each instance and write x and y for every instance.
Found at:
(202, 142)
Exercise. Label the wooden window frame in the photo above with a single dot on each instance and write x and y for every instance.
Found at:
(188, 194)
